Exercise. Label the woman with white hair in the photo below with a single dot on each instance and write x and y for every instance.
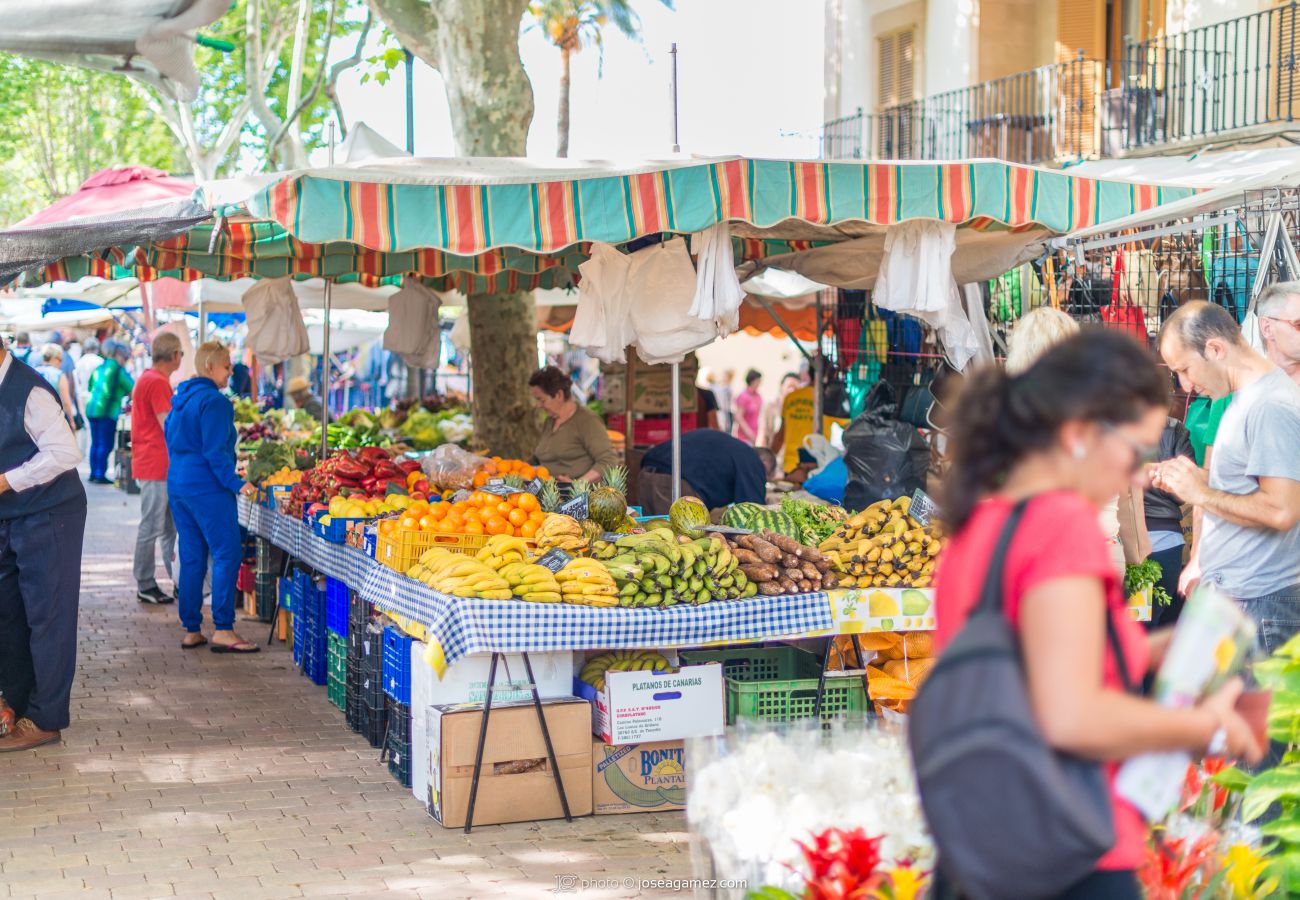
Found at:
(51, 369)
(1123, 520)
(201, 487)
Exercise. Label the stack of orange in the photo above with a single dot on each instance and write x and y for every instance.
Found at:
(498, 468)
(519, 515)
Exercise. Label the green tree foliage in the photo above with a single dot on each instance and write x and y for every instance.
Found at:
(59, 125)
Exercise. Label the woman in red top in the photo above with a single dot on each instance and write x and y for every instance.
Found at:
(1072, 431)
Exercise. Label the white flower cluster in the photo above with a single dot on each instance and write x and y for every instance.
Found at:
(752, 796)
(458, 429)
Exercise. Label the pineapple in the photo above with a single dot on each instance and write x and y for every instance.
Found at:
(514, 481)
(579, 487)
(607, 504)
(549, 496)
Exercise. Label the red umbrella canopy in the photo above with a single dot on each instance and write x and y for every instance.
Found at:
(111, 190)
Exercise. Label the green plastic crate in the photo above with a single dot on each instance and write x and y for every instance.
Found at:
(337, 691)
(336, 657)
(779, 684)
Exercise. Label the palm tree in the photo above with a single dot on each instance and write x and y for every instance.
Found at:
(573, 24)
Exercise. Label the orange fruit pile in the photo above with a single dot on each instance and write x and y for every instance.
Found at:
(497, 468)
(519, 515)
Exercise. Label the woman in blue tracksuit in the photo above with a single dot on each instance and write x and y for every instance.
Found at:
(201, 487)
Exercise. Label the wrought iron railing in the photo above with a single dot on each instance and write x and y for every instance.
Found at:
(1205, 82)
(842, 137)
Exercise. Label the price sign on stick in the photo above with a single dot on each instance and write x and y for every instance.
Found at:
(725, 529)
(500, 488)
(577, 508)
(555, 560)
(923, 509)
(534, 486)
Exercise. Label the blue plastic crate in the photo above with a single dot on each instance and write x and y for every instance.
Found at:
(397, 664)
(336, 532)
(338, 598)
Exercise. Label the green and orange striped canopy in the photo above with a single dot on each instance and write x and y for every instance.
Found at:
(390, 207)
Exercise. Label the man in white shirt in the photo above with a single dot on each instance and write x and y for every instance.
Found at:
(42, 521)
(89, 362)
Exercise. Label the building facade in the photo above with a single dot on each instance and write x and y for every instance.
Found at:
(1055, 81)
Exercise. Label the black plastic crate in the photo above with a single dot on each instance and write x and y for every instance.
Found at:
(399, 722)
(374, 723)
(353, 708)
(265, 589)
(270, 558)
(399, 760)
(359, 612)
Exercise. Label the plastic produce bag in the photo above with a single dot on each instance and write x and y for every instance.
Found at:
(452, 468)
(886, 458)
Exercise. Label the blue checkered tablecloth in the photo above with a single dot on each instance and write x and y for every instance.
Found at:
(465, 625)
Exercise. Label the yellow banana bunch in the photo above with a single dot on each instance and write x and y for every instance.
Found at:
(459, 575)
(501, 550)
(587, 582)
(882, 546)
(593, 670)
(532, 582)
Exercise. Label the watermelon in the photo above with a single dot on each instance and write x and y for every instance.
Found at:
(759, 518)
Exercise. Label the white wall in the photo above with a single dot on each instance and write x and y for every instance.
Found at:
(951, 59)
(1184, 15)
(741, 352)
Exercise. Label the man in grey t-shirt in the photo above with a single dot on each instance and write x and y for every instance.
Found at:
(1250, 500)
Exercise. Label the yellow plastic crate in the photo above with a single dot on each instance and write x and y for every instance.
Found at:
(403, 549)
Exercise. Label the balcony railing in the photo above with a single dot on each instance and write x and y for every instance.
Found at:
(1206, 82)
(1195, 86)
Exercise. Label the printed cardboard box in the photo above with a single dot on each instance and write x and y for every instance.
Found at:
(516, 782)
(638, 777)
(636, 707)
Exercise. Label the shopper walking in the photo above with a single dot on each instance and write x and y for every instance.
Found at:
(1250, 499)
(51, 369)
(201, 486)
(1278, 309)
(22, 349)
(151, 401)
(89, 361)
(749, 409)
(109, 386)
(42, 521)
(1063, 438)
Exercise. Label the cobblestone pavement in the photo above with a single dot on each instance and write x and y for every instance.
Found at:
(196, 775)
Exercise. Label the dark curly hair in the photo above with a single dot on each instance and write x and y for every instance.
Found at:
(999, 419)
(551, 381)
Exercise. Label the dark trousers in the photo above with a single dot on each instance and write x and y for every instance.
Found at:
(207, 525)
(1171, 569)
(1116, 885)
(655, 492)
(103, 432)
(40, 584)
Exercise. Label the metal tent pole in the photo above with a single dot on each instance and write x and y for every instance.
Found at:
(325, 348)
(677, 432)
(818, 368)
(203, 321)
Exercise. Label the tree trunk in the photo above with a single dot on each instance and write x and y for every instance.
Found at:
(475, 45)
(504, 354)
(562, 116)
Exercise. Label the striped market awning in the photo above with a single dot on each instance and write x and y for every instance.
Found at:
(371, 207)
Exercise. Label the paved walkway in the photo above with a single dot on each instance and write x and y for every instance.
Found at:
(195, 775)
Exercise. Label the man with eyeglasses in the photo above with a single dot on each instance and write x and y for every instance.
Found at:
(1278, 309)
(1250, 498)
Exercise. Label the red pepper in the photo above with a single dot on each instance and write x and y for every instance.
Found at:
(350, 468)
(408, 466)
(372, 454)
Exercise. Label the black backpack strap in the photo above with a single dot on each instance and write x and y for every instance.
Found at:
(991, 595)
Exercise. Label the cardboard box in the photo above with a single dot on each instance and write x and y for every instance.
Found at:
(638, 777)
(516, 783)
(465, 681)
(651, 386)
(636, 707)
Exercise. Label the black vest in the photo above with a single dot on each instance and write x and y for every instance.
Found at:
(17, 447)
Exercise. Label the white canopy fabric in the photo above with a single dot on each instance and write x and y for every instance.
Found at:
(154, 35)
(1204, 170)
(20, 315)
(225, 296)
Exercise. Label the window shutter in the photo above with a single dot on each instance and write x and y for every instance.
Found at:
(888, 82)
(1080, 26)
(896, 72)
(1283, 85)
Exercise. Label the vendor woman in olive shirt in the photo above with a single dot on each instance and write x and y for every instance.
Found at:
(574, 442)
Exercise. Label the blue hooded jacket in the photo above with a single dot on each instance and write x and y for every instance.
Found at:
(200, 434)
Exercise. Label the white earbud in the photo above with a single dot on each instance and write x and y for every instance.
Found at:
(1078, 452)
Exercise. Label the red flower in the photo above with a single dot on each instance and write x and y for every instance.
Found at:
(1171, 865)
(842, 865)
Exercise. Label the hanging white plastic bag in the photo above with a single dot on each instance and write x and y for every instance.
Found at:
(412, 331)
(276, 331)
